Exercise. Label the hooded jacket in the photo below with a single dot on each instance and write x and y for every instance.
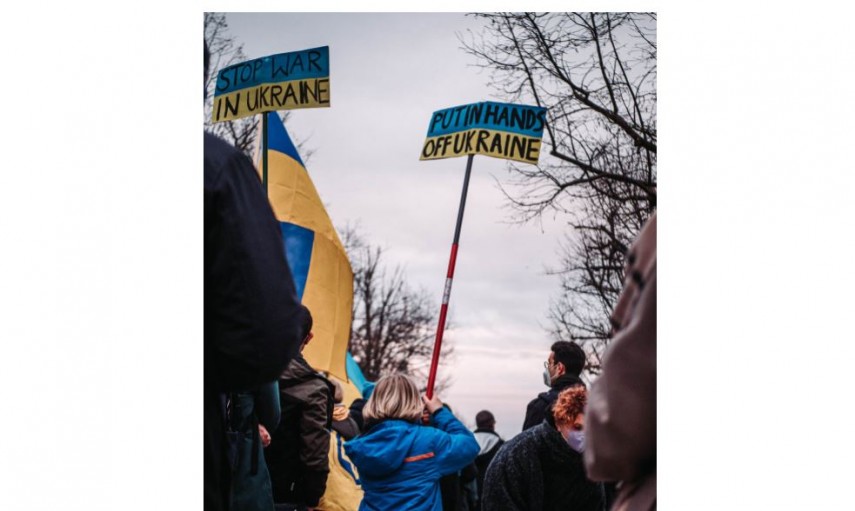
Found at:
(400, 463)
(539, 407)
(297, 456)
(490, 443)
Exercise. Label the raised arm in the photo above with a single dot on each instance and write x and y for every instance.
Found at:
(456, 446)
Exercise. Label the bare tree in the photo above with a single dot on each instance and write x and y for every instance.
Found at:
(393, 326)
(596, 75)
(225, 50)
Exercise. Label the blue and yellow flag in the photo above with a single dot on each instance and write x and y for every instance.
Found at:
(316, 256)
(343, 491)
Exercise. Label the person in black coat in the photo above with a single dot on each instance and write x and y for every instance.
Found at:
(561, 371)
(298, 455)
(542, 468)
(455, 487)
(489, 441)
(251, 313)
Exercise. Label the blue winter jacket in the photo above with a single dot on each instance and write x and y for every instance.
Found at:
(400, 463)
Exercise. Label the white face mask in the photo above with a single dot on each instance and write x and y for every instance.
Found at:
(576, 440)
(547, 379)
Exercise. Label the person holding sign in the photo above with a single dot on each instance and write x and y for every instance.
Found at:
(400, 460)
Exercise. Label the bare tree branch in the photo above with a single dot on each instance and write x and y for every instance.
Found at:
(225, 51)
(596, 75)
(393, 326)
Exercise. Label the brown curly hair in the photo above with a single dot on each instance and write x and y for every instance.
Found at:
(570, 403)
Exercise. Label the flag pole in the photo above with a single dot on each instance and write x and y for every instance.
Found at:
(264, 151)
(443, 311)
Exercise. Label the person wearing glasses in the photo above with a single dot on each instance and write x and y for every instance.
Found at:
(542, 468)
(561, 371)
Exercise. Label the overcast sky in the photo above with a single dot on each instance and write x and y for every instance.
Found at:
(388, 73)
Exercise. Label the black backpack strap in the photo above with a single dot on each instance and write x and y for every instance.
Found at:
(232, 436)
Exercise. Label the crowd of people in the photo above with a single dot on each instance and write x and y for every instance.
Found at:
(278, 436)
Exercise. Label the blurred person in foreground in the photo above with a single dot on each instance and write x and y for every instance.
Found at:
(622, 409)
(400, 460)
(251, 313)
(542, 468)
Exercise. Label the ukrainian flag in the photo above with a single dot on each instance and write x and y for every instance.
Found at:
(322, 273)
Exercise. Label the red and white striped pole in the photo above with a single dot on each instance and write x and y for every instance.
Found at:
(446, 294)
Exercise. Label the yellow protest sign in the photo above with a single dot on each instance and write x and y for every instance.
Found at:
(501, 130)
(285, 81)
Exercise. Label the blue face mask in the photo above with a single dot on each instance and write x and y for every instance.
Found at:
(576, 440)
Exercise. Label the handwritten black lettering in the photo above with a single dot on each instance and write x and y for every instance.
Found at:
(429, 149)
(314, 56)
(502, 119)
(482, 137)
(533, 150)
(541, 116)
(518, 118)
(245, 72)
(496, 144)
(277, 68)
(232, 107)
(437, 117)
(518, 145)
(459, 142)
(492, 112)
(322, 88)
(275, 91)
(289, 93)
(297, 62)
(469, 136)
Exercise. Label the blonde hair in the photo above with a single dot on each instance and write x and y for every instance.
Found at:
(395, 397)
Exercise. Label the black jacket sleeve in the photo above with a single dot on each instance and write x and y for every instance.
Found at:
(252, 315)
(534, 413)
(356, 412)
(347, 428)
(314, 439)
